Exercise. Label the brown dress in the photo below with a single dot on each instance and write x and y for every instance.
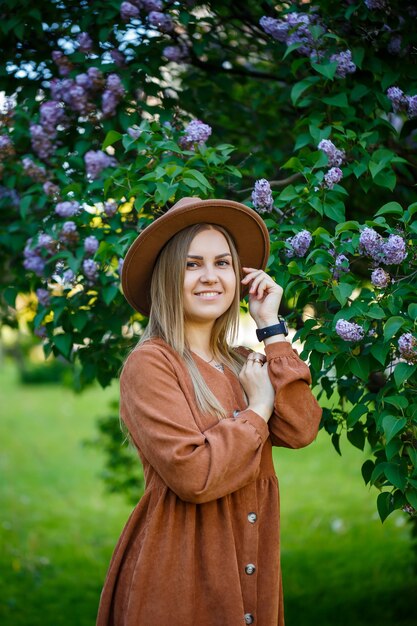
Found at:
(202, 546)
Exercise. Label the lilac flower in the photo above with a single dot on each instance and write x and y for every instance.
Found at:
(112, 95)
(84, 81)
(85, 43)
(398, 99)
(394, 44)
(278, 29)
(46, 242)
(412, 106)
(152, 5)
(90, 270)
(43, 297)
(261, 195)
(52, 114)
(91, 244)
(77, 99)
(380, 278)
(10, 196)
(345, 65)
(51, 190)
(370, 243)
(96, 77)
(68, 233)
(376, 4)
(333, 176)
(96, 161)
(110, 208)
(394, 250)
(407, 345)
(161, 21)
(349, 331)
(33, 262)
(341, 265)
(68, 277)
(300, 243)
(128, 11)
(334, 155)
(195, 132)
(41, 332)
(118, 57)
(34, 171)
(63, 63)
(6, 146)
(174, 53)
(68, 208)
(133, 132)
(41, 142)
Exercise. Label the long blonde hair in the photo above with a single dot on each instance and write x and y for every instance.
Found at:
(166, 320)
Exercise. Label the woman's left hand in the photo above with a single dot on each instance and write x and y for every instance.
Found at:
(264, 296)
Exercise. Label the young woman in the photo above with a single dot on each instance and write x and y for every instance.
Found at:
(202, 546)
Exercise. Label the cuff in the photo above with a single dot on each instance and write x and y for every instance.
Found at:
(279, 349)
(256, 421)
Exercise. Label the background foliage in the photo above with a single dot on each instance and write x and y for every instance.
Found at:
(319, 102)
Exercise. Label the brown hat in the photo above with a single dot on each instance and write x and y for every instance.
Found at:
(246, 227)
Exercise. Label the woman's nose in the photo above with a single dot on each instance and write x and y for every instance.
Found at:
(209, 274)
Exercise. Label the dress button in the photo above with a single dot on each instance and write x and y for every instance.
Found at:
(250, 569)
(236, 413)
(249, 619)
(252, 517)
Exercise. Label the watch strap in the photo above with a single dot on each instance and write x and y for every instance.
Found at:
(280, 328)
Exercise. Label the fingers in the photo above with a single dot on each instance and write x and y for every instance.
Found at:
(259, 282)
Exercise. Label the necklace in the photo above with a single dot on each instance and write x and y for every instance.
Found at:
(218, 366)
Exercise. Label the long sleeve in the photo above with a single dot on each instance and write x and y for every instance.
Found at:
(197, 466)
(296, 417)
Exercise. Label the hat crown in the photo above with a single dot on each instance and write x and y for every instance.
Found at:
(185, 202)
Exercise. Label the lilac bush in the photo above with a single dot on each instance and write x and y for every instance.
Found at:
(262, 198)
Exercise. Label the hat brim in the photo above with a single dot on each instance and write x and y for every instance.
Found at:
(246, 227)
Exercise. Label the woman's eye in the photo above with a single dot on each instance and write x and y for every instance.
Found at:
(191, 264)
(222, 263)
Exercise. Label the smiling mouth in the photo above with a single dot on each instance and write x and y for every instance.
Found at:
(208, 294)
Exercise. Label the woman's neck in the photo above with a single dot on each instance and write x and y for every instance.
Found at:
(198, 339)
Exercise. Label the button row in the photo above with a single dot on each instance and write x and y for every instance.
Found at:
(249, 619)
(250, 569)
(252, 517)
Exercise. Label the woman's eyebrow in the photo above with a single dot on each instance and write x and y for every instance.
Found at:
(218, 256)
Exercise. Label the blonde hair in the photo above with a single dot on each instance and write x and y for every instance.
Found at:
(166, 320)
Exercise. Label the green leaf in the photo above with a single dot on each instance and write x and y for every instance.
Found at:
(336, 443)
(367, 469)
(64, 344)
(391, 208)
(9, 294)
(350, 225)
(355, 414)
(335, 210)
(384, 505)
(109, 293)
(402, 372)
(412, 497)
(328, 69)
(392, 426)
(342, 291)
(360, 368)
(79, 320)
(386, 178)
(338, 100)
(111, 138)
(412, 311)
(392, 325)
(300, 87)
(380, 351)
(393, 472)
(375, 312)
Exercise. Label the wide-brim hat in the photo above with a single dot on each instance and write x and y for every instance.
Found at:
(245, 226)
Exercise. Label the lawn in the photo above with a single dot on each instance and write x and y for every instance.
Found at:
(58, 526)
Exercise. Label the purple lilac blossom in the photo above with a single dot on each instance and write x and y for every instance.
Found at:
(33, 262)
(300, 243)
(196, 132)
(380, 278)
(161, 21)
(294, 28)
(118, 57)
(47, 242)
(412, 106)
(68, 277)
(6, 146)
(62, 62)
(96, 77)
(341, 266)
(398, 99)
(51, 114)
(394, 44)
(278, 29)
(41, 142)
(152, 5)
(34, 171)
(349, 331)
(41, 332)
(96, 161)
(333, 176)
(43, 297)
(68, 208)
(370, 243)
(85, 43)
(334, 155)
(394, 250)
(133, 132)
(345, 65)
(90, 269)
(112, 95)
(407, 345)
(91, 244)
(261, 196)
(174, 53)
(128, 11)
(68, 232)
(10, 195)
(51, 190)
(375, 4)
(110, 208)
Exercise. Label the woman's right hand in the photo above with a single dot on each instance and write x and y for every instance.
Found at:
(254, 379)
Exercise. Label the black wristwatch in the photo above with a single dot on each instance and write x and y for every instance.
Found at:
(269, 331)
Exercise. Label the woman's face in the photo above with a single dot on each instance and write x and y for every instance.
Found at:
(209, 280)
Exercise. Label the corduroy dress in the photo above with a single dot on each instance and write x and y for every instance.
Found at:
(202, 546)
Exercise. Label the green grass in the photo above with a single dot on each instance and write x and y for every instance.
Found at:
(58, 527)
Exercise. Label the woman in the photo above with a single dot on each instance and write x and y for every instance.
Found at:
(202, 546)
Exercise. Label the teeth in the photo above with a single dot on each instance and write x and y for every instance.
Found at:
(208, 294)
